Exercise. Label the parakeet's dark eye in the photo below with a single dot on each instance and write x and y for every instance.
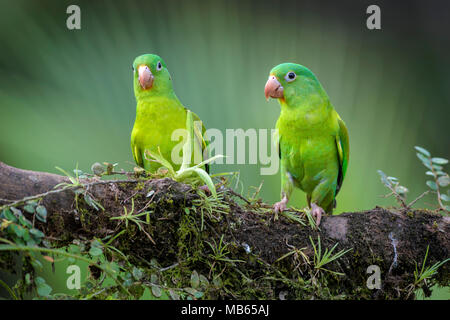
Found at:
(158, 66)
(290, 76)
(132, 68)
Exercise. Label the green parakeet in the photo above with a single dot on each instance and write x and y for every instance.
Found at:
(312, 139)
(158, 114)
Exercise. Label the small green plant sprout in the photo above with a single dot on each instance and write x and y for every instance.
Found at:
(297, 218)
(129, 216)
(322, 259)
(440, 178)
(425, 273)
(75, 180)
(311, 221)
(397, 190)
(297, 253)
(79, 188)
(214, 207)
(220, 251)
(190, 148)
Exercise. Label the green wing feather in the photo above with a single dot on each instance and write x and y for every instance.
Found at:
(343, 149)
(137, 155)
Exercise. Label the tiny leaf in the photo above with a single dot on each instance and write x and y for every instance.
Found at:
(443, 181)
(25, 222)
(203, 280)
(174, 295)
(384, 178)
(423, 151)
(401, 190)
(156, 291)
(432, 184)
(154, 279)
(90, 201)
(137, 273)
(29, 208)
(191, 291)
(195, 280)
(18, 230)
(439, 160)
(36, 263)
(9, 215)
(424, 159)
(41, 213)
(39, 280)
(16, 212)
(44, 290)
(37, 233)
(95, 251)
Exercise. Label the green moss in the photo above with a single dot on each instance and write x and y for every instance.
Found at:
(139, 186)
(84, 217)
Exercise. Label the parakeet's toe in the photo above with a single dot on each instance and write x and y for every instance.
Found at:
(317, 212)
(280, 206)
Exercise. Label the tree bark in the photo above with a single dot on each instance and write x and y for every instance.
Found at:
(393, 240)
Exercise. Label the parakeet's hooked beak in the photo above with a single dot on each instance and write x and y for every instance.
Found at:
(145, 77)
(273, 88)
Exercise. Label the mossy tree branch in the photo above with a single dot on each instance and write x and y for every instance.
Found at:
(184, 225)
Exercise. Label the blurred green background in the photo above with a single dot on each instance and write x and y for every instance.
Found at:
(66, 96)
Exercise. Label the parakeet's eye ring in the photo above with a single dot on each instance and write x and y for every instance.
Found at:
(290, 76)
(158, 66)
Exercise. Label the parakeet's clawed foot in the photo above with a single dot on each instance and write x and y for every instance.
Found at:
(317, 212)
(280, 206)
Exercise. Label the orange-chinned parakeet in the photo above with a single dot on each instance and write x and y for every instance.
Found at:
(312, 138)
(158, 114)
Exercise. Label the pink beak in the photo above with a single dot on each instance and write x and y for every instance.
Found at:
(273, 88)
(145, 77)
